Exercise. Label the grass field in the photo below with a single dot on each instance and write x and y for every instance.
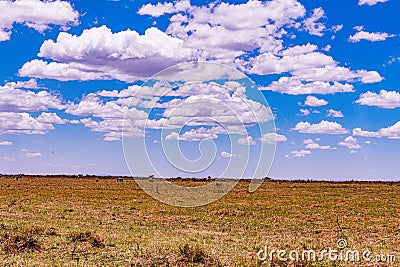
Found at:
(81, 222)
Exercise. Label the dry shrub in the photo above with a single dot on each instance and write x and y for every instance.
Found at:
(26, 241)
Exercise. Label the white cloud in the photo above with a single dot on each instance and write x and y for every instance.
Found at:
(113, 128)
(324, 127)
(13, 98)
(311, 144)
(334, 113)
(294, 86)
(35, 14)
(312, 101)
(304, 112)
(33, 154)
(385, 99)
(268, 63)
(50, 118)
(9, 159)
(99, 54)
(5, 143)
(370, 36)
(225, 154)
(327, 48)
(350, 142)
(193, 135)
(247, 141)
(370, 2)
(311, 24)
(164, 8)
(332, 73)
(273, 138)
(391, 132)
(300, 154)
(24, 123)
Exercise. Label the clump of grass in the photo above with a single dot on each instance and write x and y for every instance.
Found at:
(26, 241)
(195, 255)
(192, 254)
(93, 239)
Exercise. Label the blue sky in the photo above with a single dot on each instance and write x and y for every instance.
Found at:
(328, 69)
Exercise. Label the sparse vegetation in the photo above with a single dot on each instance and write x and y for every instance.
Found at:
(80, 222)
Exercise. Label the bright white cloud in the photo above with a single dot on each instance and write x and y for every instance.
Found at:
(332, 73)
(225, 154)
(350, 142)
(193, 135)
(35, 14)
(100, 54)
(294, 86)
(385, 99)
(370, 2)
(113, 128)
(300, 153)
(311, 144)
(370, 36)
(311, 24)
(5, 143)
(24, 123)
(304, 112)
(273, 138)
(247, 141)
(324, 127)
(334, 113)
(14, 99)
(391, 132)
(313, 101)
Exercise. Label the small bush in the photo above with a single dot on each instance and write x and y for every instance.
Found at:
(21, 242)
(192, 254)
(93, 239)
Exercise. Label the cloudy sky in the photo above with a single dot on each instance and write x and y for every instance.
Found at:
(72, 70)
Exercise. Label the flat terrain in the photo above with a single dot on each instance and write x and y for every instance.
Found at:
(81, 222)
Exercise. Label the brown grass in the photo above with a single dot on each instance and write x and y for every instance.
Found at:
(64, 221)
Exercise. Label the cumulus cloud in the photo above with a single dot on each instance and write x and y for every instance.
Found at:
(100, 54)
(332, 73)
(273, 138)
(324, 127)
(225, 154)
(304, 112)
(370, 2)
(385, 99)
(5, 143)
(295, 86)
(311, 24)
(350, 142)
(35, 14)
(300, 153)
(369, 36)
(391, 132)
(14, 98)
(247, 141)
(24, 123)
(193, 135)
(311, 144)
(334, 113)
(313, 101)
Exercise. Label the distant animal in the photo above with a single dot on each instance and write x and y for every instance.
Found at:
(120, 180)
